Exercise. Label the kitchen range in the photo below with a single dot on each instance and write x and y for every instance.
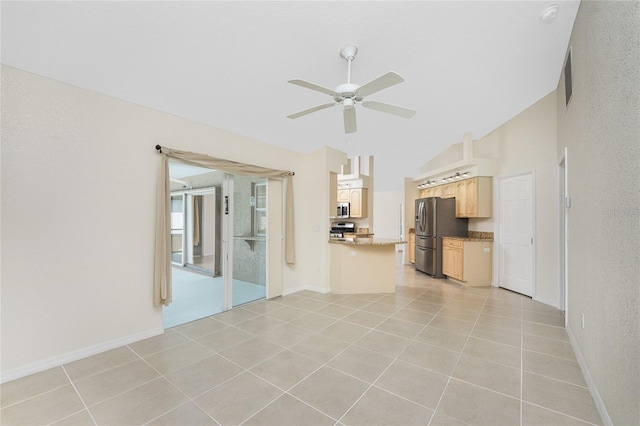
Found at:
(435, 218)
(339, 229)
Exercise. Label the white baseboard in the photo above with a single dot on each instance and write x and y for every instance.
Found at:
(593, 389)
(317, 289)
(305, 287)
(292, 290)
(58, 360)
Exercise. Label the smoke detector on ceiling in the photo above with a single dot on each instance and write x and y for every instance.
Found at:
(549, 14)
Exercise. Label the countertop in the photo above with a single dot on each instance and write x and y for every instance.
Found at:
(369, 241)
(485, 240)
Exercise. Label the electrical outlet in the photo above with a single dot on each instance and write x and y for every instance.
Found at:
(582, 320)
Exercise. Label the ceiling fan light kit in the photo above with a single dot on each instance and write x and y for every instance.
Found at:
(349, 94)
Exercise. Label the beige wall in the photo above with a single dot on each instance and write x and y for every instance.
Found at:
(387, 214)
(79, 172)
(600, 130)
(527, 143)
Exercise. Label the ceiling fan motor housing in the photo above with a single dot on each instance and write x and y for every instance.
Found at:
(346, 91)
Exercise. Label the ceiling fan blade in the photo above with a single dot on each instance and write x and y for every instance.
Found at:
(310, 110)
(391, 109)
(313, 86)
(386, 80)
(349, 114)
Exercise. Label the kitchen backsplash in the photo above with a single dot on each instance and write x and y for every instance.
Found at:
(482, 235)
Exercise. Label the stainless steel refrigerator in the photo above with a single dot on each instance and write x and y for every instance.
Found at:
(435, 218)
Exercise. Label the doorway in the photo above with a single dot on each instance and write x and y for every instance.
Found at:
(564, 202)
(213, 215)
(515, 233)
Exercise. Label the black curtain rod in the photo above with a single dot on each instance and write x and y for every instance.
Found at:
(159, 148)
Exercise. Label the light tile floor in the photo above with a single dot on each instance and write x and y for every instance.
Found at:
(432, 354)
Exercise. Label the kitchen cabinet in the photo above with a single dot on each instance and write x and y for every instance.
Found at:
(467, 261)
(474, 197)
(357, 199)
(452, 258)
(412, 247)
(449, 190)
(425, 193)
(343, 195)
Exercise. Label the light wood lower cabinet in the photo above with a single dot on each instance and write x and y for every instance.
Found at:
(469, 262)
(412, 247)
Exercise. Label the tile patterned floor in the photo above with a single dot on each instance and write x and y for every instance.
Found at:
(432, 354)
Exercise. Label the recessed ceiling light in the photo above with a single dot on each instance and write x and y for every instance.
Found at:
(549, 14)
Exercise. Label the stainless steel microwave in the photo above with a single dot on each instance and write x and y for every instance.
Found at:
(343, 210)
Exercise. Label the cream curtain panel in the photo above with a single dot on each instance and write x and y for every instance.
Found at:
(162, 260)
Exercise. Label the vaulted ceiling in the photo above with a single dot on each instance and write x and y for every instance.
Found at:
(469, 66)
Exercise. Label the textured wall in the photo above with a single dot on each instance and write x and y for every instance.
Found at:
(600, 129)
(77, 267)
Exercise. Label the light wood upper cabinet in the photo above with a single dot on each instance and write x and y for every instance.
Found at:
(449, 190)
(461, 199)
(474, 197)
(425, 193)
(357, 199)
(343, 195)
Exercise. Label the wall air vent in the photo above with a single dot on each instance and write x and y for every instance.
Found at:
(568, 80)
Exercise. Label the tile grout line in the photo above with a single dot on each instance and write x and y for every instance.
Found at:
(391, 363)
(86, 407)
(456, 364)
(162, 376)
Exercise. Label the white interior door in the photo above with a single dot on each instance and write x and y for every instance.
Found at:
(516, 233)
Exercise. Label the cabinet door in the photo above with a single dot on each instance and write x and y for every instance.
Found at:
(472, 197)
(449, 190)
(412, 247)
(355, 198)
(457, 259)
(438, 191)
(358, 200)
(461, 199)
(447, 259)
(343, 195)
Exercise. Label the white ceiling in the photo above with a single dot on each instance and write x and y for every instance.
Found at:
(469, 66)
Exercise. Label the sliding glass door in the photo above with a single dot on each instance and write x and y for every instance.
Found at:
(249, 239)
(218, 240)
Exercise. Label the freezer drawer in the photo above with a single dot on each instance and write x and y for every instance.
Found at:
(427, 242)
(426, 260)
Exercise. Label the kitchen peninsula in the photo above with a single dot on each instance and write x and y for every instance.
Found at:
(362, 265)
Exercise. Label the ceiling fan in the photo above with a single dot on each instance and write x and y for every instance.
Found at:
(349, 94)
